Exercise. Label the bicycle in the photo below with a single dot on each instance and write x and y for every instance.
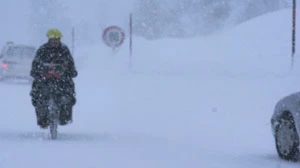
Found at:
(53, 115)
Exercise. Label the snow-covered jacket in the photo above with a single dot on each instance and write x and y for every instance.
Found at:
(57, 55)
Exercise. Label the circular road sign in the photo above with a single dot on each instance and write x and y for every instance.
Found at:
(113, 36)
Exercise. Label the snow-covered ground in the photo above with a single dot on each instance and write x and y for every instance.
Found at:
(200, 102)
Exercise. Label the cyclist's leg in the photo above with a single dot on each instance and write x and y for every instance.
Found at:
(65, 114)
(67, 102)
(37, 102)
(41, 110)
(42, 118)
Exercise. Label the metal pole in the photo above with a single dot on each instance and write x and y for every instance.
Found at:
(130, 40)
(293, 33)
(73, 40)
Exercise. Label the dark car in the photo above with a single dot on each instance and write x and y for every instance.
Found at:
(285, 124)
(16, 60)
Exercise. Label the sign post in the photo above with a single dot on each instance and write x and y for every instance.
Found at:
(293, 33)
(73, 40)
(130, 40)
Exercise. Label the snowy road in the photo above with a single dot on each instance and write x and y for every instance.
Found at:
(143, 122)
(188, 103)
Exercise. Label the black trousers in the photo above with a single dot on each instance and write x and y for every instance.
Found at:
(64, 96)
(65, 87)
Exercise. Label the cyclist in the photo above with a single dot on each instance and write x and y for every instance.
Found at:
(55, 52)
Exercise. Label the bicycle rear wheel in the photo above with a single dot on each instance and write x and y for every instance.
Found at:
(53, 130)
(53, 118)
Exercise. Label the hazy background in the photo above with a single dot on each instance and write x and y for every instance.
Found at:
(185, 18)
(152, 19)
(185, 103)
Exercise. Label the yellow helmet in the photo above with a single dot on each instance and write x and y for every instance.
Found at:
(54, 33)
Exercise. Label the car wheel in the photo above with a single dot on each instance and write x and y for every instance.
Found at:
(286, 138)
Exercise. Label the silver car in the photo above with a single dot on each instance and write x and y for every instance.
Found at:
(16, 60)
(285, 124)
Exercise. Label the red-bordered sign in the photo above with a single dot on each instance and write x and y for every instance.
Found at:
(113, 36)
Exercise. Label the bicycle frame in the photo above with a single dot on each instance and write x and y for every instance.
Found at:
(53, 107)
(53, 116)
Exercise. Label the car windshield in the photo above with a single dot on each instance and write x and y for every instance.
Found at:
(21, 52)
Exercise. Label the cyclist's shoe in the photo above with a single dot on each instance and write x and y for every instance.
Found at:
(43, 123)
(65, 119)
(65, 122)
(42, 120)
(66, 115)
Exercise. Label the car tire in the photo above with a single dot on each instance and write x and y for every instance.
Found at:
(287, 138)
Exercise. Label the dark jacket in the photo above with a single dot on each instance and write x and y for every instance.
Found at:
(58, 55)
